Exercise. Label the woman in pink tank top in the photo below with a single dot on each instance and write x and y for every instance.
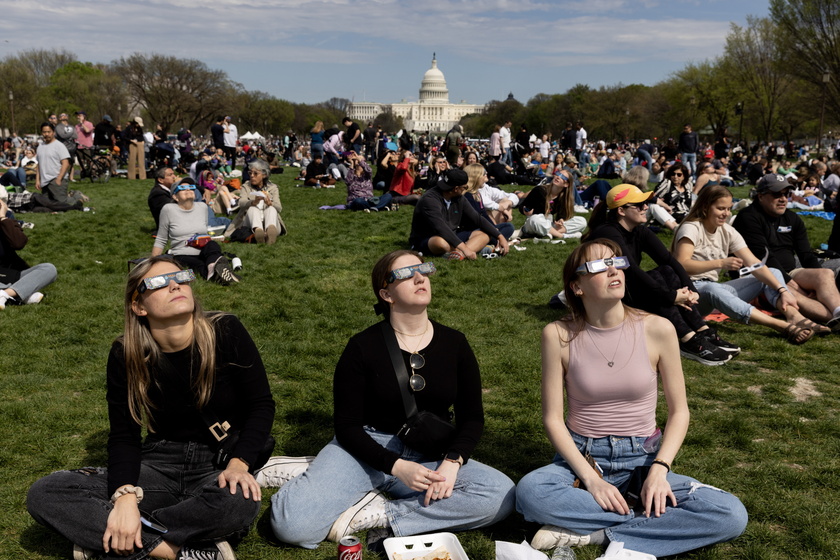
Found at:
(611, 479)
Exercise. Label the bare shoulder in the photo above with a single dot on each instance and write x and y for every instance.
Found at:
(658, 327)
(558, 332)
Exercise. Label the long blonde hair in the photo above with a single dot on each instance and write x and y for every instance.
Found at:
(142, 354)
(475, 173)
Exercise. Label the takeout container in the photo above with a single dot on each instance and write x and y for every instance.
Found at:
(420, 545)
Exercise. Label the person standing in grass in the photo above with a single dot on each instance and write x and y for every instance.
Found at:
(612, 477)
(174, 371)
(436, 488)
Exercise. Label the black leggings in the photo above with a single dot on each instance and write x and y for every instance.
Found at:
(209, 254)
(684, 320)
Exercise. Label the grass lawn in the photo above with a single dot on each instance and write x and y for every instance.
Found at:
(765, 426)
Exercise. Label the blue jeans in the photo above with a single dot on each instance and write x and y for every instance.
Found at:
(361, 203)
(731, 298)
(303, 511)
(317, 150)
(690, 161)
(704, 515)
(507, 157)
(181, 493)
(598, 188)
(645, 155)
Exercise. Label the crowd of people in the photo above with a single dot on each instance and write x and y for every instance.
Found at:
(400, 462)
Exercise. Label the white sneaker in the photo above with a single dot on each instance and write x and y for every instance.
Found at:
(279, 470)
(551, 536)
(367, 513)
(4, 297)
(34, 298)
(80, 553)
(581, 209)
(576, 235)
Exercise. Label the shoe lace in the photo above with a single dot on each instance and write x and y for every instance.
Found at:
(197, 554)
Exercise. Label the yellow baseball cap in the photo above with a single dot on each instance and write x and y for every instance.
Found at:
(623, 194)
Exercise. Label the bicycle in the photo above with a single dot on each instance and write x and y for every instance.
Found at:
(96, 167)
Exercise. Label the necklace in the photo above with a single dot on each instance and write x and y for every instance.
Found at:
(406, 334)
(610, 362)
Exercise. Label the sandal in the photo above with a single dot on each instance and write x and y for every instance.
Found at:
(818, 329)
(795, 333)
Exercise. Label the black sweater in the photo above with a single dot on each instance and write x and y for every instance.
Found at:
(241, 396)
(366, 393)
(432, 217)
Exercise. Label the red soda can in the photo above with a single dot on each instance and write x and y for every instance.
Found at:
(349, 548)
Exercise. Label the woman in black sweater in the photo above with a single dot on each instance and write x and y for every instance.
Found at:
(433, 490)
(175, 371)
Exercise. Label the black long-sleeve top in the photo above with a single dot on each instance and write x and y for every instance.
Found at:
(785, 236)
(241, 396)
(12, 239)
(536, 201)
(432, 217)
(366, 393)
(640, 286)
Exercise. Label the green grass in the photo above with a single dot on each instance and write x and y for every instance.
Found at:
(304, 297)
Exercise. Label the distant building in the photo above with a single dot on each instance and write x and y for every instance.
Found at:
(433, 113)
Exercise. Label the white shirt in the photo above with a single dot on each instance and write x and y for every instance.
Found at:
(491, 197)
(231, 136)
(504, 134)
(580, 139)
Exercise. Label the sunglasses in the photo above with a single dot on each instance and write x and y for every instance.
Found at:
(417, 382)
(601, 265)
(679, 174)
(163, 280)
(780, 194)
(637, 205)
(406, 272)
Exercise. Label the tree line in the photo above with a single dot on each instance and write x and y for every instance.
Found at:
(777, 79)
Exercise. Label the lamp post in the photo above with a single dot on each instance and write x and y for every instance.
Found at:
(12, 109)
(826, 78)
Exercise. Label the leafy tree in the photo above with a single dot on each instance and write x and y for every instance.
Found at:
(264, 113)
(809, 38)
(175, 91)
(705, 91)
(84, 86)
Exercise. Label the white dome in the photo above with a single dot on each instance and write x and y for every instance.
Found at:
(433, 87)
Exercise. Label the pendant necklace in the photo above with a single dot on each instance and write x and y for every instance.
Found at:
(416, 361)
(610, 362)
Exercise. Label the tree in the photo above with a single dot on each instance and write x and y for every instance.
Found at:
(753, 63)
(264, 113)
(84, 86)
(705, 90)
(177, 92)
(809, 37)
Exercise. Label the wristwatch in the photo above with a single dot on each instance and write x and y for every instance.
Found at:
(128, 489)
(454, 457)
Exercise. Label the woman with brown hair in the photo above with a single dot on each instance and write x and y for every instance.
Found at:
(402, 184)
(550, 210)
(175, 371)
(612, 478)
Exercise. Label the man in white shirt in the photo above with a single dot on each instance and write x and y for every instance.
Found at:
(231, 137)
(53, 165)
(580, 139)
(504, 134)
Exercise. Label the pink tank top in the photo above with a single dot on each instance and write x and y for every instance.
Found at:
(618, 400)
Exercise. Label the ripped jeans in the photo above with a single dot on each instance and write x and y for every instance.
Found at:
(704, 514)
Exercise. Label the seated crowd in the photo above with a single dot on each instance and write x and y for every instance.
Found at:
(401, 460)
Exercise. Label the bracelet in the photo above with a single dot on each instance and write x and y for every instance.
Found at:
(663, 463)
(780, 288)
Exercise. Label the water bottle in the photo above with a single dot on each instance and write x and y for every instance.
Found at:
(563, 553)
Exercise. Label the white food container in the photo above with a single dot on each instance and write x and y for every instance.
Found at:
(420, 545)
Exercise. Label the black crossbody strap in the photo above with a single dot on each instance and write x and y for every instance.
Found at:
(409, 403)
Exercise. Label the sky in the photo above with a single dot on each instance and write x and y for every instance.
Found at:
(308, 51)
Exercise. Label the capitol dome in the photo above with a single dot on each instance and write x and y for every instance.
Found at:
(433, 87)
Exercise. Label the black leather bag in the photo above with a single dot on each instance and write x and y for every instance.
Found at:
(424, 431)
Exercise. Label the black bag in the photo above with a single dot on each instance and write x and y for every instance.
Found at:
(424, 431)
(427, 432)
(9, 275)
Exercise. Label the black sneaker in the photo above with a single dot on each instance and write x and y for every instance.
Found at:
(701, 350)
(712, 336)
(223, 273)
(221, 551)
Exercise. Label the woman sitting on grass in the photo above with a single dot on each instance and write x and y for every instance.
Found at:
(259, 207)
(435, 489)
(703, 245)
(492, 203)
(550, 210)
(360, 189)
(174, 371)
(402, 183)
(185, 226)
(611, 479)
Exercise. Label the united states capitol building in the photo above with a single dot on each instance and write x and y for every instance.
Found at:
(433, 113)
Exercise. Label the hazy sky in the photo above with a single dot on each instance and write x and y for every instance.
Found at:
(378, 50)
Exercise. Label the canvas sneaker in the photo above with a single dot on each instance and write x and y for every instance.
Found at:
(80, 553)
(699, 349)
(551, 536)
(367, 513)
(280, 470)
(36, 297)
(221, 551)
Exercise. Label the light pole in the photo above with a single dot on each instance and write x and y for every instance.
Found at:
(12, 109)
(826, 78)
